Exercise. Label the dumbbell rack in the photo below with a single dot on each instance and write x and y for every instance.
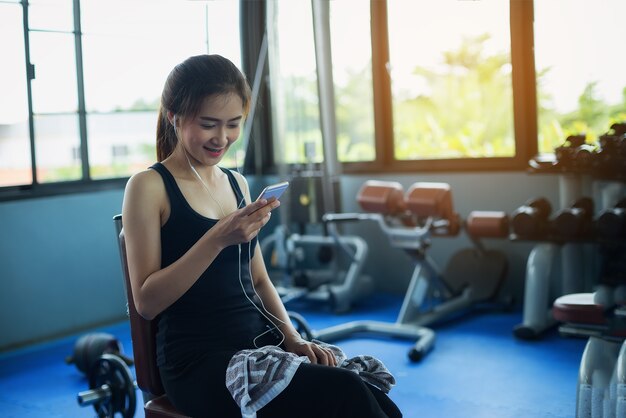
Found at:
(541, 268)
(578, 259)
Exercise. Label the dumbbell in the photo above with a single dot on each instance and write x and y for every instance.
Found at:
(530, 220)
(111, 385)
(575, 153)
(610, 160)
(575, 221)
(112, 389)
(611, 223)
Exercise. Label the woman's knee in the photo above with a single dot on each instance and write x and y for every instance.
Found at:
(358, 399)
(333, 381)
(349, 393)
(349, 379)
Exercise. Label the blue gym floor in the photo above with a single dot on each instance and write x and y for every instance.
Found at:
(477, 369)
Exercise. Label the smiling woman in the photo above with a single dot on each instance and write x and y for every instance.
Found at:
(188, 226)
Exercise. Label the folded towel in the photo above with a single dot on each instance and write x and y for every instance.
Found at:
(256, 376)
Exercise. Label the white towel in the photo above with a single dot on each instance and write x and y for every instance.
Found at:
(256, 376)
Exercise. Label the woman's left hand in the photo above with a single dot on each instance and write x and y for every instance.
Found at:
(315, 353)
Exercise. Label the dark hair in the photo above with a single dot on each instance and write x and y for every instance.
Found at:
(187, 85)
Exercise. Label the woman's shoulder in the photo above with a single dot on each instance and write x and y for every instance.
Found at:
(146, 182)
(145, 177)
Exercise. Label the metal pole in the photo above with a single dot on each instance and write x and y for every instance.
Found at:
(323, 57)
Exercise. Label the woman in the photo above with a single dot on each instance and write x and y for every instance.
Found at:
(195, 264)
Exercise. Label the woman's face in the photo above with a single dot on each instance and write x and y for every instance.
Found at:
(208, 136)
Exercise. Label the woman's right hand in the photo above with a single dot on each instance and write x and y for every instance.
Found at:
(243, 224)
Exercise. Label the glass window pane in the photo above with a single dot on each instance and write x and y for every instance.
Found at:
(352, 75)
(295, 103)
(127, 57)
(223, 17)
(54, 87)
(580, 65)
(121, 143)
(15, 165)
(51, 15)
(57, 148)
(450, 69)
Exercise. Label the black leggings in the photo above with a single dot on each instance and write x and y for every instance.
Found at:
(321, 391)
(315, 391)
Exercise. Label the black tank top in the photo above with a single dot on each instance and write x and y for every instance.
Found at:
(214, 315)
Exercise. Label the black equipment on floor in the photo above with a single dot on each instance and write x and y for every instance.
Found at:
(90, 347)
(112, 389)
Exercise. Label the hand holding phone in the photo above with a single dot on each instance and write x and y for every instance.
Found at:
(275, 190)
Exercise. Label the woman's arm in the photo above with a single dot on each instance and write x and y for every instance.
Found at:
(154, 289)
(272, 303)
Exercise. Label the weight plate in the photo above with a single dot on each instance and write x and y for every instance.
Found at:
(112, 371)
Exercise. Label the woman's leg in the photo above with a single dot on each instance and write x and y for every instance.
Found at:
(386, 404)
(200, 389)
(322, 391)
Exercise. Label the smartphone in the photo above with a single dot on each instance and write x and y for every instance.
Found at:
(275, 190)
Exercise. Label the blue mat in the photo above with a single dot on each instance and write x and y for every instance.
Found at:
(477, 368)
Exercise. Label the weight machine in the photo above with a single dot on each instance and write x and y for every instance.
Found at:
(315, 266)
(410, 221)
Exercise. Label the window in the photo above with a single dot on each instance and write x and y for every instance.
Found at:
(15, 165)
(127, 57)
(295, 104)
(419, 84)
(95, 82)
(581, 87)
(295, 111)
(55, 106)
(450, 72)
(54, 90)
(352, 75)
